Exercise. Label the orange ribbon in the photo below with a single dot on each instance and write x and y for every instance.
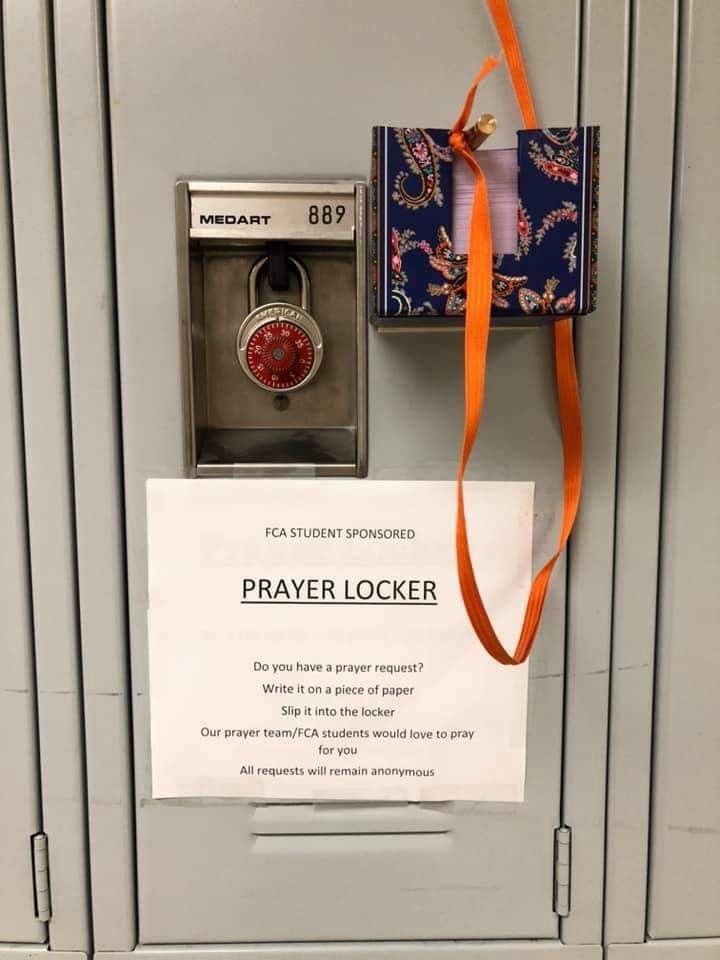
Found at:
(477, 331)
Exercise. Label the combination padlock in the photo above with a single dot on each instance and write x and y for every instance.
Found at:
(279, 345)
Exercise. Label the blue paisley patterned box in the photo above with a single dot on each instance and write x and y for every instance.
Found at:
(417, 274)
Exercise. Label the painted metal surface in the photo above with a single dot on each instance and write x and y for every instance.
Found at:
(180, 117)
(20, 815)
(458, 950)
(694, 949)
(97, 464)
(28, 952)
(41, 326)
(187, 118)
(684, 887)
(649, 188)
(603, 95)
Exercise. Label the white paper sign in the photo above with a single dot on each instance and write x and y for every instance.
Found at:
(308, 640)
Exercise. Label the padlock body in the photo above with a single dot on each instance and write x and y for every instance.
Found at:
(280, 347)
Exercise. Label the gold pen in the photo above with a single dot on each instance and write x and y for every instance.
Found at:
(478, 133)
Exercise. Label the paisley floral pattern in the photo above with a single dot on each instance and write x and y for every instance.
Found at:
(401, 241)
(570, 252)
(504, 287)
(557, 156)
(525, 231)
(453, 268)
(533, 302)
(594, 197)
(568, 211)
(417, 272)
(423, 156)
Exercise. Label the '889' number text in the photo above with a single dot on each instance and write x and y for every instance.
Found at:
(326, 214)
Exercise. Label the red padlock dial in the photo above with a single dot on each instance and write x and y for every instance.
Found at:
(280, 355)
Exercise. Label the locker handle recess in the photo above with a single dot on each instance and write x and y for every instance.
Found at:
(324, 819)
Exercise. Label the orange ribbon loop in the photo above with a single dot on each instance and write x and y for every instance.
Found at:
(477, 332)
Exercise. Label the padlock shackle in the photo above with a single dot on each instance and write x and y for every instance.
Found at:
(260, 265)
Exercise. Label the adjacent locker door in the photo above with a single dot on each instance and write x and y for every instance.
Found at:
(39, 286)
(250, 89)
(684, 889)
(20, 814)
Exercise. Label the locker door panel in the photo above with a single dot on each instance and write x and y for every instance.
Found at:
(20, 815)
(258, 90)
(684, 890)
(39, 289)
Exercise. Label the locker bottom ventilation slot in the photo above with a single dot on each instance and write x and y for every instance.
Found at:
(345, 819)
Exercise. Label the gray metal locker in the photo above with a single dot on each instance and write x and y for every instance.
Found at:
(47, 782)
(182, 99)
(107, 105)
(663, 870)
(20, 815)
(684, 893)
(652, 110)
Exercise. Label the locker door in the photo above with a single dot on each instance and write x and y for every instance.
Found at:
(684, 890)
(20, 815)
(39, 289)
(251, 89)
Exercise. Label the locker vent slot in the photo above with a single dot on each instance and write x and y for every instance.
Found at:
(328, 819)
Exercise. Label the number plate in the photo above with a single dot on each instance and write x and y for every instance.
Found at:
(264, 214)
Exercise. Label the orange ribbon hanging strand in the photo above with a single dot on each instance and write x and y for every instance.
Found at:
(477, 332)
(505, 28)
